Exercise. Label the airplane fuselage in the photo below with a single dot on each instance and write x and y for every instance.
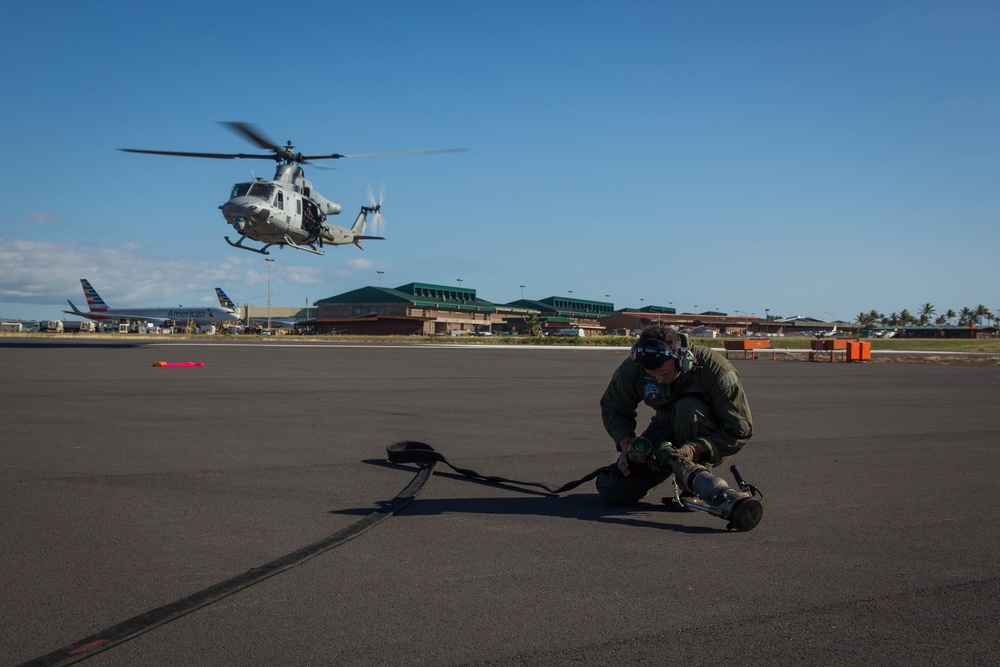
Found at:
(180, 315)
(101, 312)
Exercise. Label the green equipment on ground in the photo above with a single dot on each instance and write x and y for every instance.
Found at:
(710, 493)
(639, 449)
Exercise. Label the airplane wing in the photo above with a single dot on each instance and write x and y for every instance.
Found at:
(77, 311)
(111, 315)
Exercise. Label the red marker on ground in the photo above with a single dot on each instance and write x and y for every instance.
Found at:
(184, 364)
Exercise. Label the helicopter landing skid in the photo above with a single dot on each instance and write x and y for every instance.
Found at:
(311, 248)
(239, 244)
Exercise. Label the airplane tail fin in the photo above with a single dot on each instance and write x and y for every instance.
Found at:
(75, 311)
(224, 300)
(94, 299)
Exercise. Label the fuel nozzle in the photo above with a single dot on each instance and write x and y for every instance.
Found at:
(713, 494)
(639, 449)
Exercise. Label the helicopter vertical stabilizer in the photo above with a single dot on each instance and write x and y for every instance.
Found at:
(360, 222)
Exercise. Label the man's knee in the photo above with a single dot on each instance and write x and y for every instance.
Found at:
(617, 489)
(691, 419)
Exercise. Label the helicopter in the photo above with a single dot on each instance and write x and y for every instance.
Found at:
(286, 210)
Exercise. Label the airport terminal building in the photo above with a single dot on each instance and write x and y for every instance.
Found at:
(424, 309)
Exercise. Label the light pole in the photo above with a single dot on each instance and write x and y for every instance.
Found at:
(460, 281)
(522, 291)
(380, 277)
(269, 262)
(746, 326)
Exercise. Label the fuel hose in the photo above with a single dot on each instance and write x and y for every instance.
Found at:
(137, 625)
(406, 451)
(411, 451)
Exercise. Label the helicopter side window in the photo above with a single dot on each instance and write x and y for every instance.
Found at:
(239, 190)
(279, 200)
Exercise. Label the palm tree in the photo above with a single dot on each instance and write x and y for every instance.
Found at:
(533, 323)
(950, 314)
(926, 311)
(965, 317)
(982, 313)
(867, 320)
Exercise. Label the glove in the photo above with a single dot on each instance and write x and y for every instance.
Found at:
(684, 458)
(686, 451)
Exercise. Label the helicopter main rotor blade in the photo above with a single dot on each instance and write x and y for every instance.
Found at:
(253, 133)
(284, 153)
(335, 156)
(219, 156)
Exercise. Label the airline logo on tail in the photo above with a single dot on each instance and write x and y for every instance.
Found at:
(94, 299)
(224, 300)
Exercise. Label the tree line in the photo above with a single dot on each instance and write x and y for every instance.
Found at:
(926, 317)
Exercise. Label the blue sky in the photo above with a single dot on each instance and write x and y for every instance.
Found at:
(805, 158)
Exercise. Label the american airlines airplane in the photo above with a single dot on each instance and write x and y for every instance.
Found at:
(101, 312)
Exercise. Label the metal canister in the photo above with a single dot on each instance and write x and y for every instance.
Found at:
(638, 449)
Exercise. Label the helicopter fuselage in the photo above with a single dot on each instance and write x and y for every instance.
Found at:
(286, 211)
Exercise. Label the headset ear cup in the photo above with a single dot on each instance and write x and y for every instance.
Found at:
(685, 360)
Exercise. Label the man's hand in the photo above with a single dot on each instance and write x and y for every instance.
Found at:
(622, 462)
(687, 451)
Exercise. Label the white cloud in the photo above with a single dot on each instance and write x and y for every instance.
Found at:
(353, 266)
(47, 273)
(43, 272)
(42, 218)
(35, 217)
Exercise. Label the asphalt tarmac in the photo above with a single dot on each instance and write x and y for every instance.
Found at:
(125, 487)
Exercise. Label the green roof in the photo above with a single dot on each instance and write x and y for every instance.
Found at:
(421, 295)
(567, 307)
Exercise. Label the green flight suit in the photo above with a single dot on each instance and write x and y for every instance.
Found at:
(705, 405)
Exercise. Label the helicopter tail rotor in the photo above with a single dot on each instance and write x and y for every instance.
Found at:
(378, 222)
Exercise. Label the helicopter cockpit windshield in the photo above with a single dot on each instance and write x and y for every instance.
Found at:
(261, 190)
